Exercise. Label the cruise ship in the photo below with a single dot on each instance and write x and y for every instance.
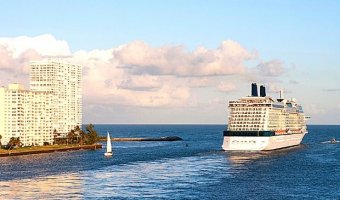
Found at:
(259, 122)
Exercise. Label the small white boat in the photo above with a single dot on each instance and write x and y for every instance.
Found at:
(108, 152)
(332, 141)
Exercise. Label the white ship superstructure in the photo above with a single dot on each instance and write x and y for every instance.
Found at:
(262, 123)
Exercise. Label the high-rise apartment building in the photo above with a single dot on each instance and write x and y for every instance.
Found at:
(25, 114)
(63, 80)
(54, 101)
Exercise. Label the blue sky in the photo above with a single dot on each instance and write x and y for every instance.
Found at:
(297, 41)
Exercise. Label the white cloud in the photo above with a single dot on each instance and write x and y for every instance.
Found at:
(135, 74)
(108, 84)
(226, 87)
(45, 45)
(293, 82)
(6, 61)
(17, 52)
(271, 68)
(338, 106)
(314, 109)
(17, 64)
(217, 100)
(332, 90)
(274, 88)
(140, 58)
(167, 96)
(15, 69)
(140, 83)
(200, 82)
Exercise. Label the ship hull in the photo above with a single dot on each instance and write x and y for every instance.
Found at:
(258, 143)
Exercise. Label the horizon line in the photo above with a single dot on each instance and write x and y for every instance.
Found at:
(187, 124)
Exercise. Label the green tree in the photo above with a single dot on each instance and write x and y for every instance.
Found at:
(91, 135)
(55, 135)
(82, 137)
(14, 142)
(79, 134)
(0, 142)
(76, 129)
(71, 137)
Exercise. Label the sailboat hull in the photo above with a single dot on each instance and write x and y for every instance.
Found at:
(107, 154)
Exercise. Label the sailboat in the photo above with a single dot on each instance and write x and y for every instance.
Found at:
(108, 152)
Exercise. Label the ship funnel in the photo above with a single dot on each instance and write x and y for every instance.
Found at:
(254, 90)
(262, 91)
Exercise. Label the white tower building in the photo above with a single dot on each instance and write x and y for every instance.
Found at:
(63, 80)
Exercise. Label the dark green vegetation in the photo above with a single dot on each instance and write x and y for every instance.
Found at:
(14, 142)
(74, 140)
(77, 136)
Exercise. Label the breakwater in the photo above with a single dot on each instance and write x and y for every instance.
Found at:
(167, 138)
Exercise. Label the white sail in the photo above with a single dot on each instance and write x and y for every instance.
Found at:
(108, 144)
(108, 152)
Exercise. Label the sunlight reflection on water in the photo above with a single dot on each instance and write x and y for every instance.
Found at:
(59, 187)
(167, 178)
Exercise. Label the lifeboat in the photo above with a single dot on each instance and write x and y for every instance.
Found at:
(280, 132)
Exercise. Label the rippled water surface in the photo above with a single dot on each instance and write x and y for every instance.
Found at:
(194, 168)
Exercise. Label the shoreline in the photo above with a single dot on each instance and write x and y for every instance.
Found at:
(47, 149)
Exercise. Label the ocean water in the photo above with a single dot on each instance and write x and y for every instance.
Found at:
(194, 168)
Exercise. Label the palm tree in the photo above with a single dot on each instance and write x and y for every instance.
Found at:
(14, 142)
(78, 132)
(72, 137)
(69, 136)
(55, 135)
(92, 136)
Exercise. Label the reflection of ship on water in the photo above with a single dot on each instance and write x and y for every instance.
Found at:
(243, 157)
(239, 158)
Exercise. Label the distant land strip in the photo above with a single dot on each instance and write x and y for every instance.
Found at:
(47, 149)
(167, 138)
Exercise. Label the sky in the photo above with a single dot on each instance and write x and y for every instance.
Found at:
(179, 62)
